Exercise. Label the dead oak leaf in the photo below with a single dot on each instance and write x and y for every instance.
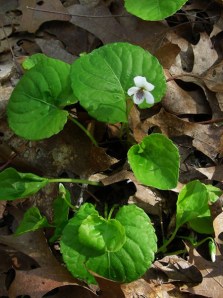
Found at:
(33, 19)
(212, 283)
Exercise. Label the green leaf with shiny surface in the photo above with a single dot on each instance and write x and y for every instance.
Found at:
(153, 10)
(155, 162)
(101, 79)
(31, 222)
(35, 108)
(15, 185)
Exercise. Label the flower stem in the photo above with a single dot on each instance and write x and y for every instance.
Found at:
(84, 130)
(166, 243)
(71, 180)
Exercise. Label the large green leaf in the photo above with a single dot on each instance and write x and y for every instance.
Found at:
(152, 10)
(114, 257)
(136, 255)
(155, 162)
(16, 185)
(35, 109)
(101, 79)
(32, 221)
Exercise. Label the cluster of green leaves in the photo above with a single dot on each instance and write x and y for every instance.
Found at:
(98, 80)
(120, 248)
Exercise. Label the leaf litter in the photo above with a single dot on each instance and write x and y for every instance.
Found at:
(189, 46)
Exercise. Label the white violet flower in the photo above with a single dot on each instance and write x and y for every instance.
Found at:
(141, 91)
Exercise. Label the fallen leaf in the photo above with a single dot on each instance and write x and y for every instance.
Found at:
(203, 55)
(212, 173)
(212, 273)
(109, 31)
(213, 78)
(178, 101)
(167, 54)
(38, 282)
(54, 49)
(178, 269)
(32, 19)
(150, 288)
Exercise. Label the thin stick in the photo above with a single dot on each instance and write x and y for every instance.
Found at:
(77, 15)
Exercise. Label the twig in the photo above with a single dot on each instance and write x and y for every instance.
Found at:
(77, 15)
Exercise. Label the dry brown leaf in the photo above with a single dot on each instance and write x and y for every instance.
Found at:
(201, 58)
(150, 289)
(54, 48)
(109, 288)
(178, 101)
(107, 31)
(212, 173)
(206, 138)
(32, 19)
(167, 54)
(212, 283)
(40, 281)
(220, 100)
(147, 199)
(178, 269)
(213, 78)
(3, 290)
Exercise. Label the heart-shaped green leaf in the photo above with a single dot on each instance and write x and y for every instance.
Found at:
(100, 234)
(152, 10)
(155, 162)
(16, 185)
(35, 109)
(192, 206)
(122, 259)
(101, 79)
(32, 221)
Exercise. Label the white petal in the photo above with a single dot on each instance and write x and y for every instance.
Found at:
(133, 90)
(140, 81)
(148, 86)
(149, 97)
(137, 100)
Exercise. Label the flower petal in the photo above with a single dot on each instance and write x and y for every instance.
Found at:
(149, 97)
(138, 100)
(140, 81)
(148, 86)
(132, 90)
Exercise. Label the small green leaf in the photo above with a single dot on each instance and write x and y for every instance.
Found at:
(155, 162)
(123, 257)
(35, 109)
(152, 10)
(101, 79)
(60, 211)
(192, 202)
(16, 185)
(32, 221)
(203, 223)
(100, 234)
(73, 251)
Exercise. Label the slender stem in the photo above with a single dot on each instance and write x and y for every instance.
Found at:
(71, 180)
(112, 210)
(165, 244)
(83, 129)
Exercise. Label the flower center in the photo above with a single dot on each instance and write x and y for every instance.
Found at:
(140, 94)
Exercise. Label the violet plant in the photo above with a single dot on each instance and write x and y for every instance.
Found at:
(117, 245)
